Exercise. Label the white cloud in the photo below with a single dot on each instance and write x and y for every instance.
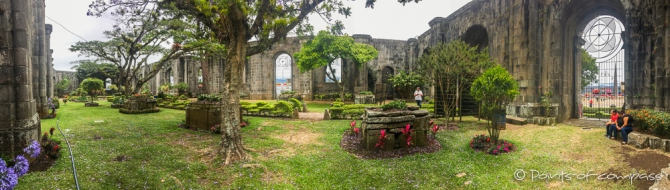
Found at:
(389, 20)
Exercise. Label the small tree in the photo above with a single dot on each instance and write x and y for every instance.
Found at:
(589, 69)
(494, 90)
(325, 48)
(406, 82)
(92, 86)
(62, 85)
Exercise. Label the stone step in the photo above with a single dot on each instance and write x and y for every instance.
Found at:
(516, 120)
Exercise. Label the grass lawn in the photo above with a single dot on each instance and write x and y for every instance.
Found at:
(300, 154)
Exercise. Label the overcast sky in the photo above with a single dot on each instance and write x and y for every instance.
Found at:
(389, 20)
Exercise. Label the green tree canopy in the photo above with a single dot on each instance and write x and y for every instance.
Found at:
(325, 48)
(407, 82)
(451, 68)
(92, 86)
(62, 85)
(92, 69)
(589, 69)
(494, 89)
(234, 23)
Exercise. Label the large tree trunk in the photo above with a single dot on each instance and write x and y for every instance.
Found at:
(231, 137)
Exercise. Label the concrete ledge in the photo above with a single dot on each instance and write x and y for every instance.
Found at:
(516, 120)
(664, 183)
(544, 120)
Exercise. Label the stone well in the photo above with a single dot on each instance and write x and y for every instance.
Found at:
(202, 115)
(364, 99)
(375, 120)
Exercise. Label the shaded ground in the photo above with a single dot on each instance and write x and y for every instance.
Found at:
(41, 164)
(644, 161)
(352, 143)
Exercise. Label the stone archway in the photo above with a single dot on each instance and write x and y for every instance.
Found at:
(564, 80)
(283, 75)
(476, 36)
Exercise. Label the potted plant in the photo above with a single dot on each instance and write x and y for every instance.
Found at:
(494, 89)
(181, 88)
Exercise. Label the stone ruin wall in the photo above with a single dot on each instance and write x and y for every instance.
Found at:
(25, 62)
(535, 40)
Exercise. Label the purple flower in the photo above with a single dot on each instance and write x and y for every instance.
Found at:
(21, 166)
(506, 149)
(8, 179)
(33, 149)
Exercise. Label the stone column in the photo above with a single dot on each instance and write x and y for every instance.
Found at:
(39, 58)
(19, 122)
(49, 62)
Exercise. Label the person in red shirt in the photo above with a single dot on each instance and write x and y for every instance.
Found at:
(612, 130)
(591, 103)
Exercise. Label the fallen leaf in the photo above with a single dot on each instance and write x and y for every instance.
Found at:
(460, 174)
(162, 180)
(468, 182)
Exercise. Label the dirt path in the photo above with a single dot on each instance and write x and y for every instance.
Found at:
(314, 116)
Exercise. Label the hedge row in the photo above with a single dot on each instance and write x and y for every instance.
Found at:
(277, 109)
(176, 104)
(657, 122)
(350, 111)
(123, 110)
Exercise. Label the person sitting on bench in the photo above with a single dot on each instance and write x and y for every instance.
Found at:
(625, 125)
(610, 126)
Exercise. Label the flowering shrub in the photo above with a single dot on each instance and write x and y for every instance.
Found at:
(380, 143)
(51, 146)
(8, 178)
(503, 147)
(216, 128)
(407, 132)
(434, 130)
(479, 141)
(33, 149)
(652, 120)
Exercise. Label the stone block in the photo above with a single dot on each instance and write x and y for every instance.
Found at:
(655, 143)
(7, 75)
(380, 113)
(21, 37)
(664, 182)
(371, 138)
(666, 145)
(516, 120)
(296, 115)
(6, 93)
(23, 93)
(24, 110)
(8, 112)
(21, 57)
(389, 119)
(418, 113)
(22, 75)
(326, 115)
(638, 140)
(420, 138)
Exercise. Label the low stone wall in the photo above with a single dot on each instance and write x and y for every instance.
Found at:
(203, 116)
(648, 141)
(364, 99)
(375, 121)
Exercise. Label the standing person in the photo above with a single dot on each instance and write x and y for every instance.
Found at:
(625, 125)
(418, 96)
(591, 103)
(612, 131)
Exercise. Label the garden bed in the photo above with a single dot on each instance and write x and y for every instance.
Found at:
(352, 142)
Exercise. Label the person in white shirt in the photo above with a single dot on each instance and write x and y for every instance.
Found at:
(418, 96)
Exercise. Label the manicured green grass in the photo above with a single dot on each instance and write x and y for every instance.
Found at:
(300, 154)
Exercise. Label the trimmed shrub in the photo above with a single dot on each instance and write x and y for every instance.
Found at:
(296, 103)
(654, 121)
(283, 108)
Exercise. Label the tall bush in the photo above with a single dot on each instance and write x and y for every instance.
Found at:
(93, 86)
(406, 83)
(494, 90)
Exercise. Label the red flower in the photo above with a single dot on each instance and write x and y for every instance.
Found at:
(431, 122)
(357, 130)
(488, 139)
(56, 147)
(435, 128)
(353, 123)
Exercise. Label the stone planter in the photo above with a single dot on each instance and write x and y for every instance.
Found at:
(136, 105)
(364, 99)
(87, 104)
(393, 122)
(203, 116)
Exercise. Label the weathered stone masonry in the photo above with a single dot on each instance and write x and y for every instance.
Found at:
(24, 64)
